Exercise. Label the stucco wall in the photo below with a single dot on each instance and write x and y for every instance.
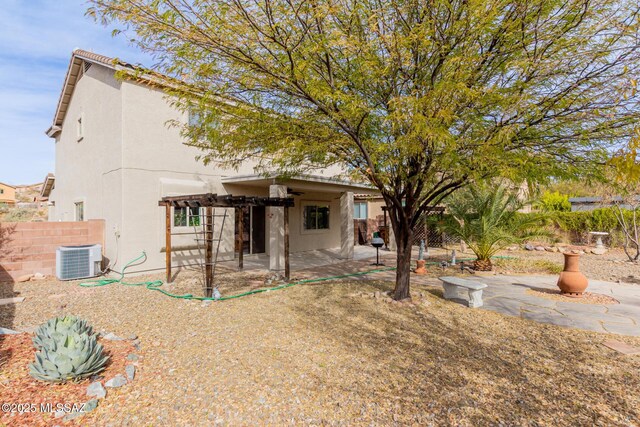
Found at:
(130, 157)
(30, 247)
(301, 240)
(88, 170)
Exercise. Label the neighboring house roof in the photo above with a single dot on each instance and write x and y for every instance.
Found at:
(47, 185)
(7, 185)
(586, 200)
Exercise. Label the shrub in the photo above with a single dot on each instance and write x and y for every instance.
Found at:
(554, 202)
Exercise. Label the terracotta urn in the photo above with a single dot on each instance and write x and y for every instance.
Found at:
(572, 282)
(420, 268)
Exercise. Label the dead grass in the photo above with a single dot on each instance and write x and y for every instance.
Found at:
(313, 354)
(522, 264)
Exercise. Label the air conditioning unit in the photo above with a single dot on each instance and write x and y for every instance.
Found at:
(78, 262)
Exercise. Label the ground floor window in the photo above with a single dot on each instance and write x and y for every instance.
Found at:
(315, 217)
(360, 210)
(79, 211)
(183, 217)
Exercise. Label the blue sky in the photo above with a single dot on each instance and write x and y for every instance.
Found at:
(36, 40)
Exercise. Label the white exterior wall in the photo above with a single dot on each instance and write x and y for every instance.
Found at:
(88, 170)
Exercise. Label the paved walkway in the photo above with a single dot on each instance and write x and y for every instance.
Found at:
(508, 295)
(505, 294)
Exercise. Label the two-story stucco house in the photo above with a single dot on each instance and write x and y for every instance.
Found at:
(116, 158)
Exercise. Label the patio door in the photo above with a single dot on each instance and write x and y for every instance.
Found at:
(258, 230)
(253, 230)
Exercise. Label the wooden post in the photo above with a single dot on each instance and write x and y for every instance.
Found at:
(240, 212)
(287, 270)
(208, 237)
(168, 240)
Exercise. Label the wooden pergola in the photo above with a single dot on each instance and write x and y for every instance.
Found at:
(210, 201)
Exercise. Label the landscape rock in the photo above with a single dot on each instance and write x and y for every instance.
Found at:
(552, 249)
(117, 381)
(90, 405)
(24, 278)
(132, 357)
(599, 251)
(112, 337)
(130, 371)
(133, 337)
(38, 276)
(5, 331)
(529, 247)
(540, 248)
(96, 389)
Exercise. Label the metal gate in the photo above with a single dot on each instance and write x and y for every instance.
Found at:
(425, 229)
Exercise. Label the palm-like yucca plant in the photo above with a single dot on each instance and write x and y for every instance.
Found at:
(486, 217)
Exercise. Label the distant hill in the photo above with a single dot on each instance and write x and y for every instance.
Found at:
(27, 193)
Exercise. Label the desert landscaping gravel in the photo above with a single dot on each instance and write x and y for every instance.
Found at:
(340, 354)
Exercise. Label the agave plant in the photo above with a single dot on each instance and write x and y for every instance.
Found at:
(486, 217)
(68, 356)
(58, 328)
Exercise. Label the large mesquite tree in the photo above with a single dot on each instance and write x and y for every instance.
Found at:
(417, 97)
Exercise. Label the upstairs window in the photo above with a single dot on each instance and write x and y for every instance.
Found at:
(195, 119)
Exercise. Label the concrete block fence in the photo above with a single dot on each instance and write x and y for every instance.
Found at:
(30, 247)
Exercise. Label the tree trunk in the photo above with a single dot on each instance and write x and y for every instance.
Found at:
(404, 237)
(483, 265)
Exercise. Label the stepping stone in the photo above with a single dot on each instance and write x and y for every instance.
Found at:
(621, 347)
(6, 301)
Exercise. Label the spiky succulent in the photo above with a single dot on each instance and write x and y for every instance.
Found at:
(68, 356)
(59, 327)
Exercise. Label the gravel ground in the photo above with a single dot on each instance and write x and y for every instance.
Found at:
(318, 355)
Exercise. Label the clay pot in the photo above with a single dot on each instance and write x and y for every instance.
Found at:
(420, 268)
(572, 282)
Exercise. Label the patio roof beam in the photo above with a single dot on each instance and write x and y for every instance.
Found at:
(224, 201)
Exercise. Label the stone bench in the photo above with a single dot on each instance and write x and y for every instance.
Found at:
(453, 284)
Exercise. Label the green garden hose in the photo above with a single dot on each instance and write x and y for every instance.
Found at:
(155, 285)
